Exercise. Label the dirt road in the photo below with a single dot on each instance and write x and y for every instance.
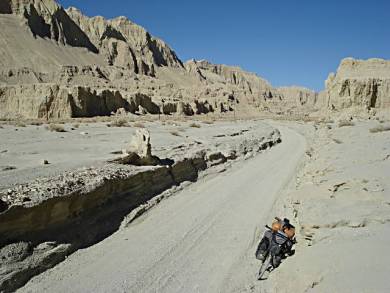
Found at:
(200, 240)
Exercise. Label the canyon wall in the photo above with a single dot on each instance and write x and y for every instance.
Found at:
(56, 57)
(59, 63)
(362, 84)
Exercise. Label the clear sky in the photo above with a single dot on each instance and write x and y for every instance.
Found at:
(286, 42)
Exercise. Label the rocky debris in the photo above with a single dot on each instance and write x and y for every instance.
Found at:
(23, 261)
(15, 252)
(45, 162)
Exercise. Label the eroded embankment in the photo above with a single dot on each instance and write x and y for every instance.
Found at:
(45, 221)
(339, 203)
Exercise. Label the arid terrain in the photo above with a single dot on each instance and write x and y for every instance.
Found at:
(125, 169)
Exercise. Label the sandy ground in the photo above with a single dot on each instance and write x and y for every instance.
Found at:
(334, 184)
(341, 201)
(201, 240)
(22, 149)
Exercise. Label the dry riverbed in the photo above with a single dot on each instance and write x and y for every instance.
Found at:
(51, 210)
(335, 187)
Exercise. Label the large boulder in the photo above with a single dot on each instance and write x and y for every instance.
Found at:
(140, 143)
(139, 152)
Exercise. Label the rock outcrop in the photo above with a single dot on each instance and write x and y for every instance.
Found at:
(140, 143)
(245, 81)
(363, 84)
(53, 101)
(125, 44)
(47, 19)
(249, 89)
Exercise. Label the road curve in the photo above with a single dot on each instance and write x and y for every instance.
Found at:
(200, 240)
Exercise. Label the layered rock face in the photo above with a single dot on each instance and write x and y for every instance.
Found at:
(299, 100)
(363, 84)
(60, 64)
(47, 19)
(125, 44)
(119, 41)
(248, 89)
(245, 81)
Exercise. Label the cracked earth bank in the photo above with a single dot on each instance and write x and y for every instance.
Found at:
(200, 240)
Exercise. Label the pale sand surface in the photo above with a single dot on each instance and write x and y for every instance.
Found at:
(334, 184)
(93, 144)
(345, 230)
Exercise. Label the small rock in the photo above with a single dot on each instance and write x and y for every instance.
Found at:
(45, 162)
(46, 245)
(7, 168)
(84, 133)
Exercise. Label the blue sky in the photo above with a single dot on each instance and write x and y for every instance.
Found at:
(287, 42)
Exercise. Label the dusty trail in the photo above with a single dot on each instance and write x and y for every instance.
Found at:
(201, 240)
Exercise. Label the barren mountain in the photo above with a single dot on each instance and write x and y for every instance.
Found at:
(60, 63)
(194, 195)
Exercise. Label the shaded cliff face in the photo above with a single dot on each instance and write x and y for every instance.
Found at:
(362, 84)
(116, 42)
(46, 19)
(125, 44)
